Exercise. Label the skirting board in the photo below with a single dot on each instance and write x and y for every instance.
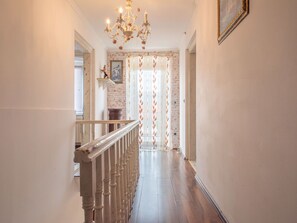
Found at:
(179, 150)
(211, 200)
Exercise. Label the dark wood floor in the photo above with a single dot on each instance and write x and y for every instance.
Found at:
(168, 193)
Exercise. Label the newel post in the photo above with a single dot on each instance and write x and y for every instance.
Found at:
(87, 177)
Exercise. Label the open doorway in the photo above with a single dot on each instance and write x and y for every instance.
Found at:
(191, 102)
(83, 87)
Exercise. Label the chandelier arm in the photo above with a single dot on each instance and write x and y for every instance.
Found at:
(112, 32)
(125, 27)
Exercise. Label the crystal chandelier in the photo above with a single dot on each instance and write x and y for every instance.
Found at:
(125, 27)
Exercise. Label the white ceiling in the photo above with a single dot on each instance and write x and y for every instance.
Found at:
(169, 20)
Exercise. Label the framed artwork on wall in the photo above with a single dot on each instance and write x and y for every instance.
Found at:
(230, 14)
(116, 71)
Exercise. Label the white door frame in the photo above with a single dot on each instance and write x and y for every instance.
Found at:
(190, 102)
(91, 51)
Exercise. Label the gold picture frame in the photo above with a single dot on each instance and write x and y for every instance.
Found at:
(116, 71)
(230, 14)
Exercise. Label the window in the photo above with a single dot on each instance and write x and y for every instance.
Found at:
(148, 99)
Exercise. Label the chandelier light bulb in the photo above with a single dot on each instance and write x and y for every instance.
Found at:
(108, 21)
(121, 10)
(145, 17)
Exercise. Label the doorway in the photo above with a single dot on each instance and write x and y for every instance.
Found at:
(84, 95)
(191, 102)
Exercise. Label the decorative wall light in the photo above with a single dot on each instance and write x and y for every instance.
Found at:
(125, 27)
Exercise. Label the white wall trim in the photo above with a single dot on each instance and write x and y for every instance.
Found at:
(90, 49)
(84, 43)
(192, 43)
(75, 7)
(211, 199)
(81, 15)
(180, 151)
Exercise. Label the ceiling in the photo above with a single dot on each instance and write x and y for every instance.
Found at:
(169, 20)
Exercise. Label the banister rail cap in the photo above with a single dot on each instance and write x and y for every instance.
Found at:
(97, 147)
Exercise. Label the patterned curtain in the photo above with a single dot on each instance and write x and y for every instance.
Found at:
(148, 99)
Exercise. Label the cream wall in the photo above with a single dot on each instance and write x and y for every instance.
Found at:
(37, 109)
(246, 112)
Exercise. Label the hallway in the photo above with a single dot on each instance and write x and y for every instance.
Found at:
(245, 122)
(167, 192)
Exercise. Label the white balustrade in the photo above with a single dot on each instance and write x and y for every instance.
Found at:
(109, 172)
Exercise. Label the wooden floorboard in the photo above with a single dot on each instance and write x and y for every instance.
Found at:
(167, 192)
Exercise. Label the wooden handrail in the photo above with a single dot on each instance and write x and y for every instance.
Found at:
(109, 172)
(92, 150)
(86, 129)
(104, 121)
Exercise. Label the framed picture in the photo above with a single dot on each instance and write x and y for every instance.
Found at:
(116, 71)
(230, 14)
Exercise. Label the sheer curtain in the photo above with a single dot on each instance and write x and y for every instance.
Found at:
(149, 98)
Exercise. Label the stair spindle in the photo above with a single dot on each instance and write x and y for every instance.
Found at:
(106, 186)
